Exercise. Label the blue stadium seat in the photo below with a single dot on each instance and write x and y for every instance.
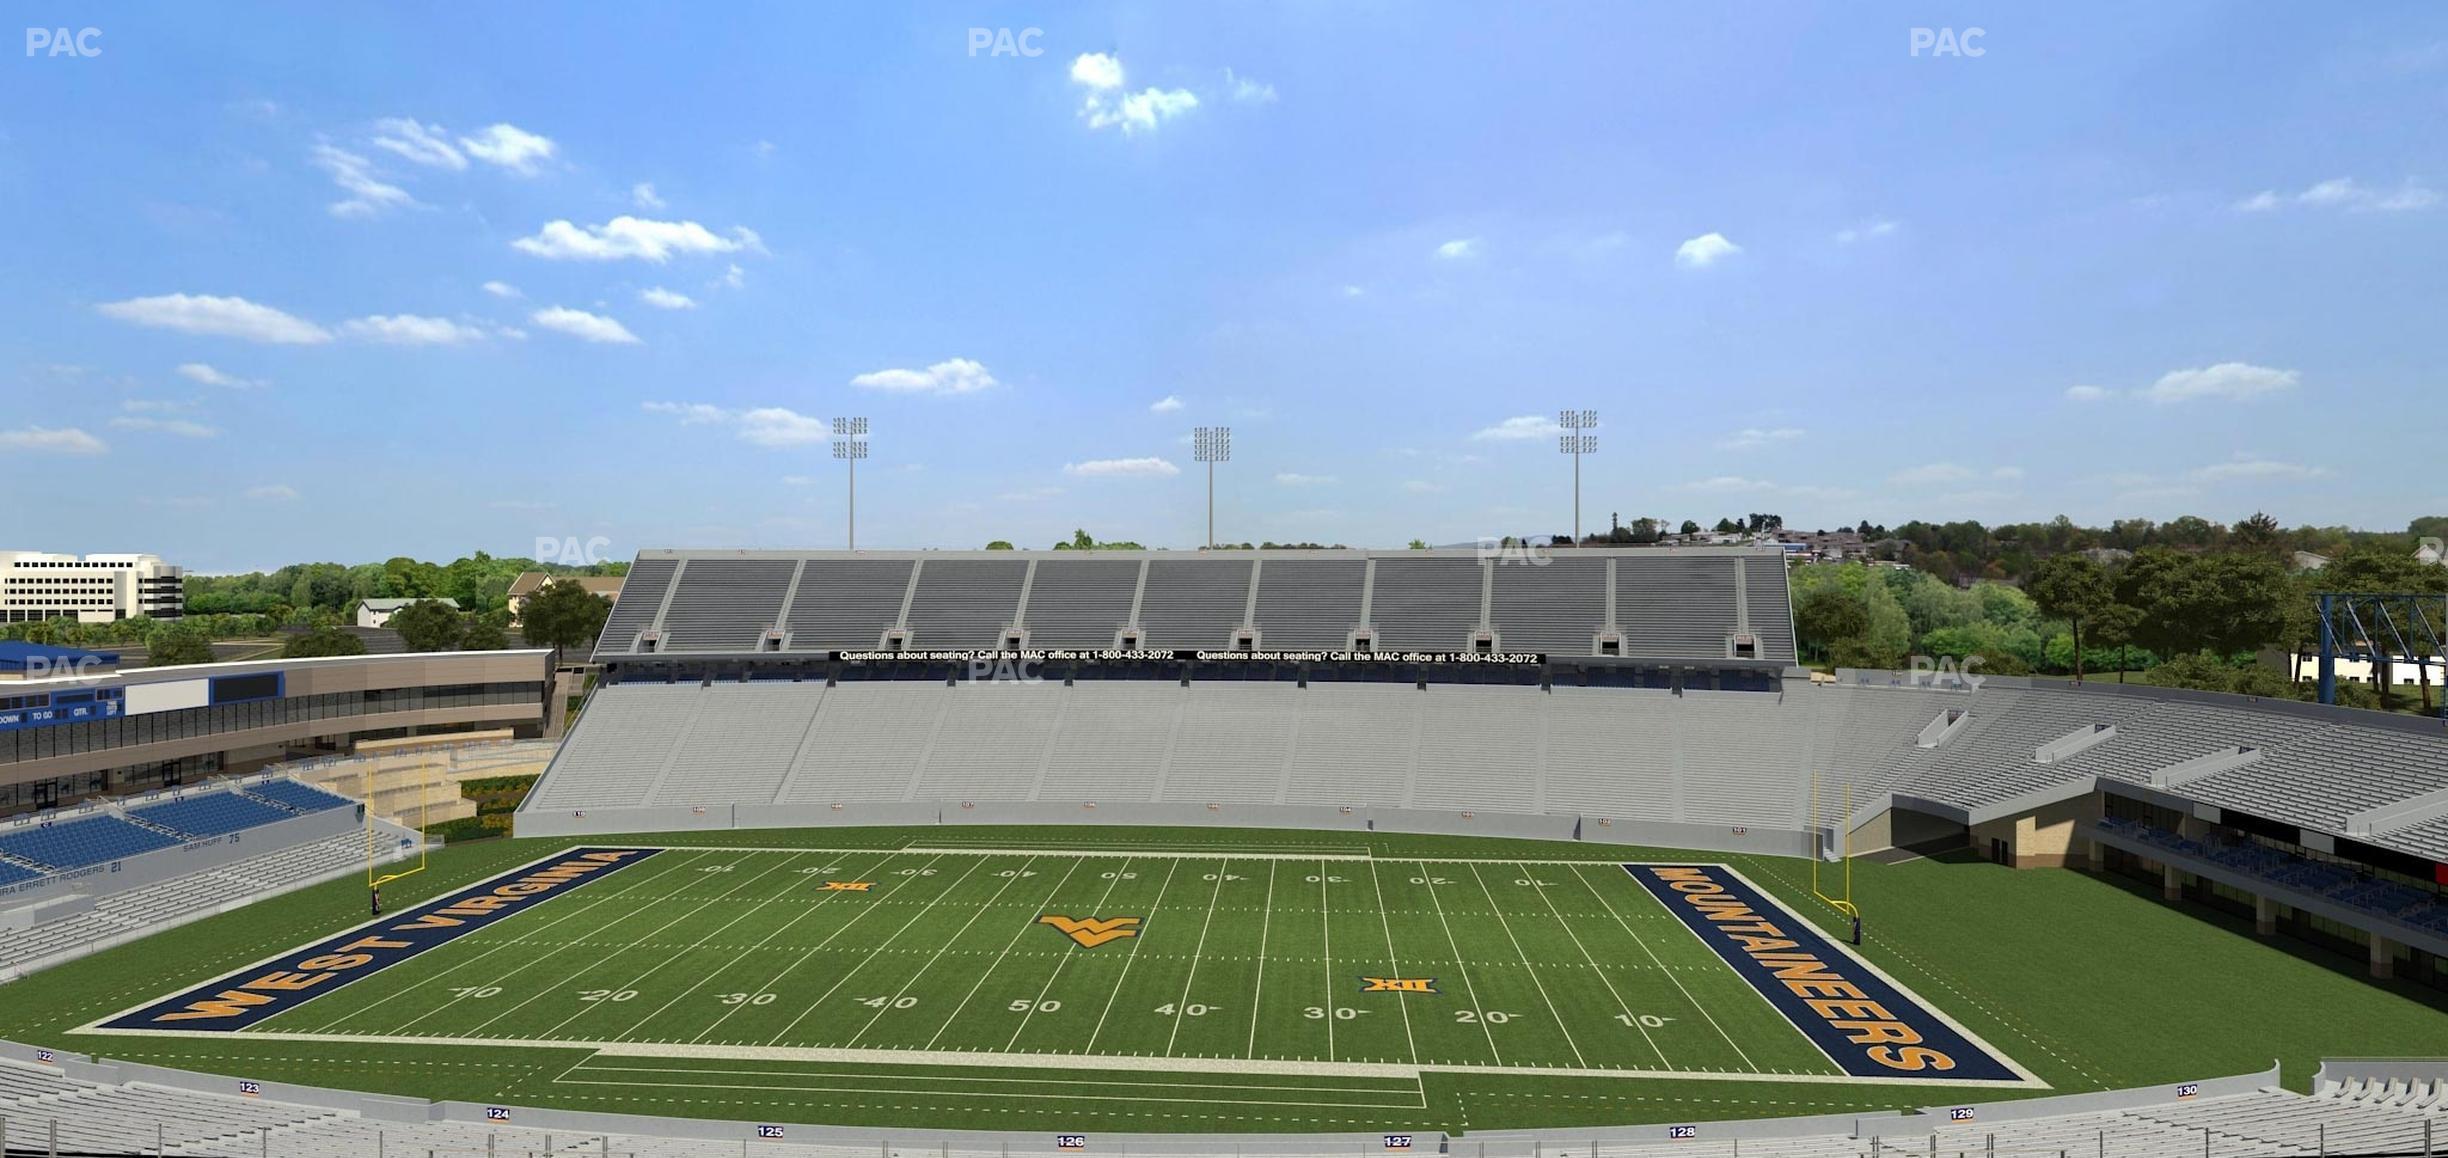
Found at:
(296, 797)
(76, 843)
(12, 873)
(210, 815)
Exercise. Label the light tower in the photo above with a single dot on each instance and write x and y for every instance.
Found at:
(850, 445)
(1576, 444)
(1212, 444)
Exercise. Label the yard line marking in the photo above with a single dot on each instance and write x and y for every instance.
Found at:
(1204, 924)
(615, 954)
(1678, 982)
(989, 971)
(1259, 989)
(1528, 967)
(1111, 879)
(1393, 959)
(877, 950)
(804, 912)
(974, 914)
(1460, 962)
(1132, 958)
(1326, 924)
(513, 941)
(1609, 982)
(819, 947)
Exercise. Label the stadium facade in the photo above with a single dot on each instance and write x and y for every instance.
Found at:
(76, 735)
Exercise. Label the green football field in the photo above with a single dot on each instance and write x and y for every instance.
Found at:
(1256, 977)
(719, 980)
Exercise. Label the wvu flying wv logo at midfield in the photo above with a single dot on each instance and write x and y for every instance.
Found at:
(1398, 985)
(1093, 931)
(846, 886)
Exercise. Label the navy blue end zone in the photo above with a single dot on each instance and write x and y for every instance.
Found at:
(1867, 1025)
(259, 991)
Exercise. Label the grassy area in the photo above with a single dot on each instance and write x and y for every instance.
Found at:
(2087, 983)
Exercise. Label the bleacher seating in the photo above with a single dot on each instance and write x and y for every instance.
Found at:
(12, 872)
(74, 844)
(296, 797)
(209, 814)
(1669, 604)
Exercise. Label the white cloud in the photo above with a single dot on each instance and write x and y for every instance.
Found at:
(581, 324)
(663, 299)
(368, 195)
(1704, 251)
(643, 193)
(1353, 291)
(503, 290)
(1248, 91)
(1106, 106)
(510, 147)
(1948, 472)
(2233, 381)
(1865, 231)
(768, 426)
(1753, 437)
(1520, 428)
(411, 330)
(631, 237)
(1290, 479)
(1149, 467)
(2245, 466)
(1141, 111)
(1419, 486)
(1166, 405)
(62, 440)
(2345, 193)
(950, 376)
(1458, 248)
(217, 316)
(1726, 484)
(199, 372)
(2088, 393)
(426, 145)
(1097, 70)
(178, 426)
(735, 277)
(273, 493)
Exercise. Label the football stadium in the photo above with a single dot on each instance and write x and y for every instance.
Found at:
(1287, 851)
(1273, 579)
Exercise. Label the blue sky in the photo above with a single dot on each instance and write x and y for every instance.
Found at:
(350, 281)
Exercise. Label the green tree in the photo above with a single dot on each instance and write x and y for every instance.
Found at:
(174, 646)
(322, 641)
(999, 545)
(428, 625)
(1690, 527)
(483, 634)
(2074, 589)
(1826, 617)
(1419, 544)
(563, 616)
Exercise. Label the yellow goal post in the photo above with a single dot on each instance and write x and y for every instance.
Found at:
(1843, 904)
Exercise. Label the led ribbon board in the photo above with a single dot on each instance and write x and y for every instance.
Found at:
(1869, 1026)
(282, 983)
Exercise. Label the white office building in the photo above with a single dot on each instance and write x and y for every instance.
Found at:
(94, 589)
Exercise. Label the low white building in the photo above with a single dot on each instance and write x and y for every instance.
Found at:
(378, 612)
(96, 588)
